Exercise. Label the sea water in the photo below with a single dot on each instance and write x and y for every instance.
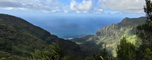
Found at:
(73, 27)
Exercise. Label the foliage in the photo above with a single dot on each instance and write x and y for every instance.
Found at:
(5, 56)
(103, 55)
(148, 9)
(126, 50)
(144, 32)
(147, 54)
(111, 35)
(20, 38)
(55, 53)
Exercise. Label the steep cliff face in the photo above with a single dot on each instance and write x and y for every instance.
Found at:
(125, 23)
(112, 34)
(109, 30)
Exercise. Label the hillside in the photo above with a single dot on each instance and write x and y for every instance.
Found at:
(110, 36)
(19, 38)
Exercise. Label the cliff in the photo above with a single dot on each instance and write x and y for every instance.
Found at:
(111, 35)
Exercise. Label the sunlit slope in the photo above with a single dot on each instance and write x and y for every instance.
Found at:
(112, 34)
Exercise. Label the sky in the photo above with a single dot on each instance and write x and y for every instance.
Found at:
(84, 16)
(76, 7)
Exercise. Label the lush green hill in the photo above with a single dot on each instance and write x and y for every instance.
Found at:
(110, 36)
(19, 38)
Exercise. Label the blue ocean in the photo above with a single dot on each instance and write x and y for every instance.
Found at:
(68, 27)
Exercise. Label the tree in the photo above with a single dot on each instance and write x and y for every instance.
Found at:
(55, 53)
(57, 50)
(103, 55)
(148, 9)
(5, 56)
(144, 31)
(126, 50)
(147, 54)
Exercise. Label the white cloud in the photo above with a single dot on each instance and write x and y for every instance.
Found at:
(123, 5)
(11, 8)
(98, 11)
(77, 11)
(8, 8)
(84, 7)
(65, 11)
(138, 11)
(112, 12)
(10, 3)
(32, 5)
(54, 10)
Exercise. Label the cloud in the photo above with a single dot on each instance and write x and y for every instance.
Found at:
(127, 6)
(32, 5)
(98, 11)
(9, 3)
(84, 7)
(65, 11)
(112, 12)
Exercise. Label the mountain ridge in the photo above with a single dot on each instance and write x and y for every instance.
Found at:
(111, 35)
(20, 38)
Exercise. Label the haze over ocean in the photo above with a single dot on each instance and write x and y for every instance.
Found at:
(72, 26)
(72, 18)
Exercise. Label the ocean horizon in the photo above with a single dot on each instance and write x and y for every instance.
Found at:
(73, 26)
(68, 28)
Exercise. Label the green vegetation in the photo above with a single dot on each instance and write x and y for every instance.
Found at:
(126, 50)
(103, 55)
(111, 35)
(136, 30)
(18, 39)
(144, 32)
(55, 53)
